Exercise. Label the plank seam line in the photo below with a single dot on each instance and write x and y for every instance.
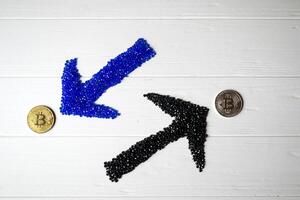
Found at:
(142, 136)
(147, 18)
(150, 196)
(158, 76)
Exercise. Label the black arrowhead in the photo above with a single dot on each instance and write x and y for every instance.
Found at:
(189, 121)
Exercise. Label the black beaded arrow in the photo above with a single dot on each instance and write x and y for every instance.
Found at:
(189, 121)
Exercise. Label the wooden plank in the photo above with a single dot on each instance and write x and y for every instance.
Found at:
(155, 9)
(271, 106)
(73, 166)
(155, 198)
(184, 48)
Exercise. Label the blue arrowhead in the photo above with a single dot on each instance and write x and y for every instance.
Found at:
(79, 98)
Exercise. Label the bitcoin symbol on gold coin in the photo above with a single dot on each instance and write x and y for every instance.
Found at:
(40, 119)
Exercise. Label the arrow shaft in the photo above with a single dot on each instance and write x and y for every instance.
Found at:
(141, 151)
(118, 68)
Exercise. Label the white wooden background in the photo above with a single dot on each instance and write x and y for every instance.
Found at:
(202, 48)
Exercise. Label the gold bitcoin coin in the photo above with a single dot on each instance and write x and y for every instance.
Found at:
(40, 119)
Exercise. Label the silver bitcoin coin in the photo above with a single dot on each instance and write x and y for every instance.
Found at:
(229, 103)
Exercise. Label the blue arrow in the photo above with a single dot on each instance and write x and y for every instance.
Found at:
(79, 98)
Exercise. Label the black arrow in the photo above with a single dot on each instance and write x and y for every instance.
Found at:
(189, 121)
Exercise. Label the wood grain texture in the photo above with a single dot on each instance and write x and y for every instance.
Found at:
(271, 106)
(184, 48)
(155, 9)
(42, 166)
(202, 47)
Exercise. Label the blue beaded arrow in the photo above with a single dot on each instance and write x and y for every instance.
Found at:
(79, 98)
